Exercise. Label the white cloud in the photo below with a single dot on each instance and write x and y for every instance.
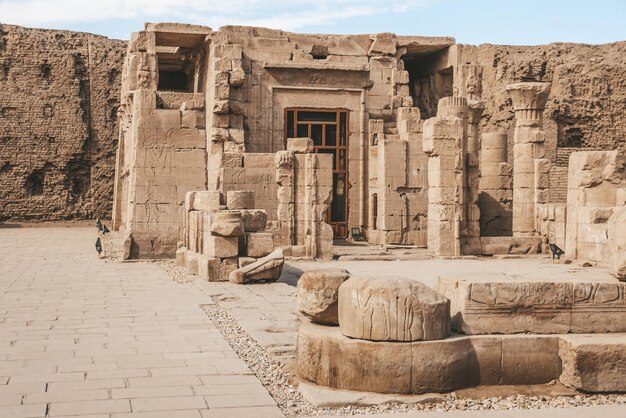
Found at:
(291, 15)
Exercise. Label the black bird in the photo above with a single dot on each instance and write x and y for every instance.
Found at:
(98, 224)
(556, 251)
(104, 229)
(98, 245)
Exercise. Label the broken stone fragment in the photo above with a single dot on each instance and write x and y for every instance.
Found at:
(216, 269)
(226, 223)
(388, 309)
(254, 219)
(318, 292)
(181, 254)
(267, 269)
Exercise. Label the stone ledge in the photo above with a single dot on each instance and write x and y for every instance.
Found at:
(591, 363)
(498, 306)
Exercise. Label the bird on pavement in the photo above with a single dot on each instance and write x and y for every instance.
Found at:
(98, 224)
(98, 245)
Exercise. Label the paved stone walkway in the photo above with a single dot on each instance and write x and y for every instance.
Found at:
(81, 337)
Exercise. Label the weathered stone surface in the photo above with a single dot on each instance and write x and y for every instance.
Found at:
(191, 262)
(221, 247)
(259, 244)
(300, 145)
(226, 223)
(215, 269)
(326, 357)
(240, 199)
(318, 292)
(542, 307)
(266, 269)
(617, 243)
(207, 200)
(181, 256)
(594, 363)
(254, 219)
(388, 309)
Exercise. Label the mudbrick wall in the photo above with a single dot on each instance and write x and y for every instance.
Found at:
(59, 93)
(587, 104)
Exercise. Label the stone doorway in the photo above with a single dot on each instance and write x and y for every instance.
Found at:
(328, 128)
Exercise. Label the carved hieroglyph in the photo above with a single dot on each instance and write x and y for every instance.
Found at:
(542, 307)
(388, 309)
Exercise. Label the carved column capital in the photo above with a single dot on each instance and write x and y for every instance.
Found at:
(529, 100)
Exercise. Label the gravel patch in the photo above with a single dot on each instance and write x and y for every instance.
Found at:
(177, 273)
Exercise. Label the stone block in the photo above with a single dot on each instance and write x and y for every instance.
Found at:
(181, 259)
(318, 292)
(191, 262)
(594, 363)
(300, 145)
(240, 199)
(259, 244)
(221, 247)
(216, 269)
(254, 219)
(388, 309)
(226, 223)
(207, 200)
(483, 306)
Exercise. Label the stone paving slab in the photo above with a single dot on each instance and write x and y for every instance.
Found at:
(82, 337)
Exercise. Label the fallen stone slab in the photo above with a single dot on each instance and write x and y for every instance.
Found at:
(266, 269)
(318, 292)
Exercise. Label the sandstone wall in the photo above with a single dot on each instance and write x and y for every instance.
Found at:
(587, 104)
(59, 93)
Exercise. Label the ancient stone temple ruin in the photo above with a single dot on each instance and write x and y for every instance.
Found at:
(331, 136)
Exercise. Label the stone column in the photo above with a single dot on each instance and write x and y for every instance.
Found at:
(495, 186)
(445, 144)
(471, 240)
(529, 101)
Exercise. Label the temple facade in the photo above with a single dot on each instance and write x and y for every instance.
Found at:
(335, 135)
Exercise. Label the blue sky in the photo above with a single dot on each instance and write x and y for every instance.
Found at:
(519, 22)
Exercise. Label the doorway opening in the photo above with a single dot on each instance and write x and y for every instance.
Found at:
(328, 128)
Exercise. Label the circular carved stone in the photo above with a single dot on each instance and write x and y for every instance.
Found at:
(328, 358)
(317, 294)
(389, 309)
